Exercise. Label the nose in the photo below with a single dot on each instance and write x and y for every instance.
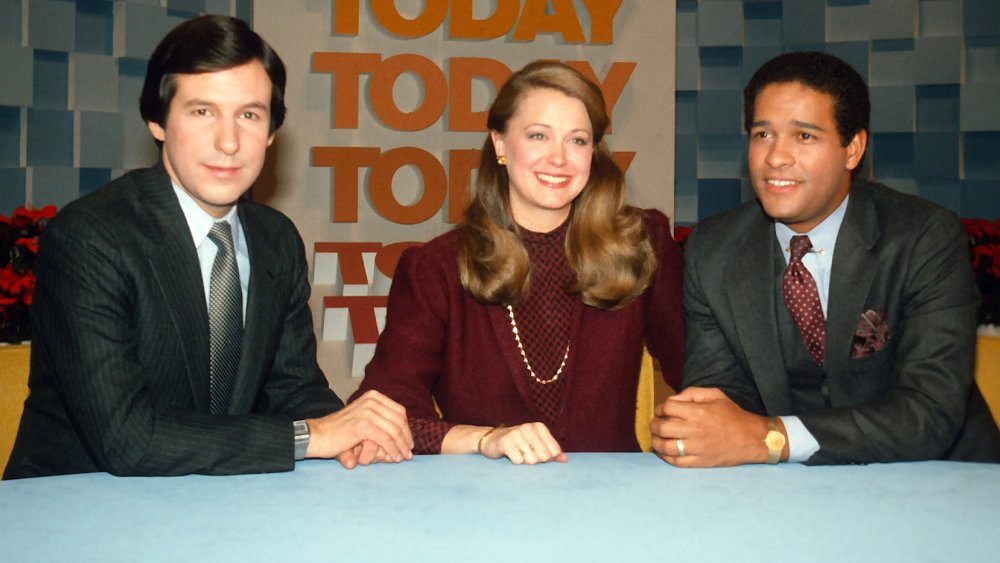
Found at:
(779, 155)
(557, 154)
(227, 137)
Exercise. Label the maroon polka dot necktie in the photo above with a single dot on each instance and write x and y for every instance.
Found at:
(802, 300)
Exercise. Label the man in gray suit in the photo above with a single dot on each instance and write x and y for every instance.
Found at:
(172, 332)
(830, 320)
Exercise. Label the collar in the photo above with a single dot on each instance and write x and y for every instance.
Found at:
(200, 222)
(823, 236)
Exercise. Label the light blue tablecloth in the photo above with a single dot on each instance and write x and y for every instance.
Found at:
(596, 507)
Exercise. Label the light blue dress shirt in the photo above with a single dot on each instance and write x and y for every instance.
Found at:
(819, 261)
(200, 223)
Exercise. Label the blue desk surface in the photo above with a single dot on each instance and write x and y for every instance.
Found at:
(466, 508)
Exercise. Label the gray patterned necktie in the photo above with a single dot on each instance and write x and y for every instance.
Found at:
(225, 319)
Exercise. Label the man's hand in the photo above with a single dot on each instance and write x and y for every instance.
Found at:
(372, 428)
(714, 430)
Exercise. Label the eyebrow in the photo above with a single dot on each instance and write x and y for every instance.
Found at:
(200, 102)
(802, 124)
(578, 129)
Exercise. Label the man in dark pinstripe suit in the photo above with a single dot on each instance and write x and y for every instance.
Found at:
(120, 356)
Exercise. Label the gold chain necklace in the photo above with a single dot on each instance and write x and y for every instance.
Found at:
(520, 348)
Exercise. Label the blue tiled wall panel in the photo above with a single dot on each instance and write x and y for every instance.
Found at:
(95, 82)
(687, 23)
(804, 21)
(10, 23)
(10, 137)
(17, 86)
(688, 63)
(937, 108)
(139, 148)
(980, 199)
(131, 73)
(54, 186)
(686, 156)
(52, 25)
(95, 27)
(892, 108)
(143, 27)
(244, 10)
(982, 156)
(943, 192)
(891, 155)
(753, 58)
(892, 19)
(93, 178)
(938, 60)
(720, 68)
(940, 18)
(50, 138)
(892, 63)
(849, 21)
(720, 23)
(979, 110)
(935, 155)
(219, 7)
(721, 156)
(13, 189)
(854, 53)
(193, 6)
(982, 60)
(101, 139)
(716, 196)
(762, 23)
(686, 112)
(51, 88)
(719, 111)
(981, 17)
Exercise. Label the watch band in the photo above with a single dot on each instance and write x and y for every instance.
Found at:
(301, 432)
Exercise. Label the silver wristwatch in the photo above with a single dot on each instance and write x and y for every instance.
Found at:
(301, 430)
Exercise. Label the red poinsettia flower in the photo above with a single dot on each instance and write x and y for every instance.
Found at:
(29, 243)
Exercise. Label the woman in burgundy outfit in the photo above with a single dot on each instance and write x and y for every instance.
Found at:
(524, 326)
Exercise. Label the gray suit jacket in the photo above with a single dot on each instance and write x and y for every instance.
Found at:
(895, 253)
(119, 359)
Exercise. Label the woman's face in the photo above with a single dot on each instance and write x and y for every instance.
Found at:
(549, 147)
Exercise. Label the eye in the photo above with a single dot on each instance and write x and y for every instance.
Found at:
(582, 141)
(536, 136)
(806, 136)
(251, 115)
(759, 134)
(200, 111)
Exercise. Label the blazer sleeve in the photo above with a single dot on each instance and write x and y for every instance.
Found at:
(664, 314)
(88, 330)
(930, 364)
(709, 358)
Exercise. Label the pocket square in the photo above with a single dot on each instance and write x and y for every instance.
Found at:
(871, 334)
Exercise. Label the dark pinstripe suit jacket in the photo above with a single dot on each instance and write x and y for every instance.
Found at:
(913, 399)
(119, 359)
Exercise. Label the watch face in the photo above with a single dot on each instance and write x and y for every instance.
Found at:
(775, 440)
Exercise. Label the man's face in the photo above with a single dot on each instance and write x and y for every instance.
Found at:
(216, 134)
(798, 168)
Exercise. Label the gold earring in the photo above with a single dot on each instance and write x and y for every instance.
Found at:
(502, 160)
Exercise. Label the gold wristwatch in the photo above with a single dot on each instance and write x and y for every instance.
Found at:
(775, 441)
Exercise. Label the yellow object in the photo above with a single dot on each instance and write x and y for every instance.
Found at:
(988, 372)
(14, 362)
(644, 402)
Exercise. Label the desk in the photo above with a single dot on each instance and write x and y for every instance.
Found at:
(621, 507)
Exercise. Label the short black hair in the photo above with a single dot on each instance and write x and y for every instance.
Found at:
(209, 43)
(824, 73)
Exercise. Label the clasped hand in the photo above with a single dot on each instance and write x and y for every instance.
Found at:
(373, 428)
(714, 430)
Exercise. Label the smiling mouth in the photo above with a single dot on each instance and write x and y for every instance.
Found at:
(554, 181)
(782, 183)
(222, 170)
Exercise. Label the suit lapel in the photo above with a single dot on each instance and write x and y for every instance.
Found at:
(750, 288)
(263, 302)
(851, 276)
(174, 263)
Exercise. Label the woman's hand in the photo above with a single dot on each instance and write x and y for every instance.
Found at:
(528, 443)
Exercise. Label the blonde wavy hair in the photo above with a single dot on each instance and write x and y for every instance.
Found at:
(607, 245)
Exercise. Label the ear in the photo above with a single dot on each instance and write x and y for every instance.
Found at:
(156, 130)
(856, 149)
(498, 146)
(270, 139)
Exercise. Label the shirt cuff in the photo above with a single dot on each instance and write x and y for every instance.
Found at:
(801, 444)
